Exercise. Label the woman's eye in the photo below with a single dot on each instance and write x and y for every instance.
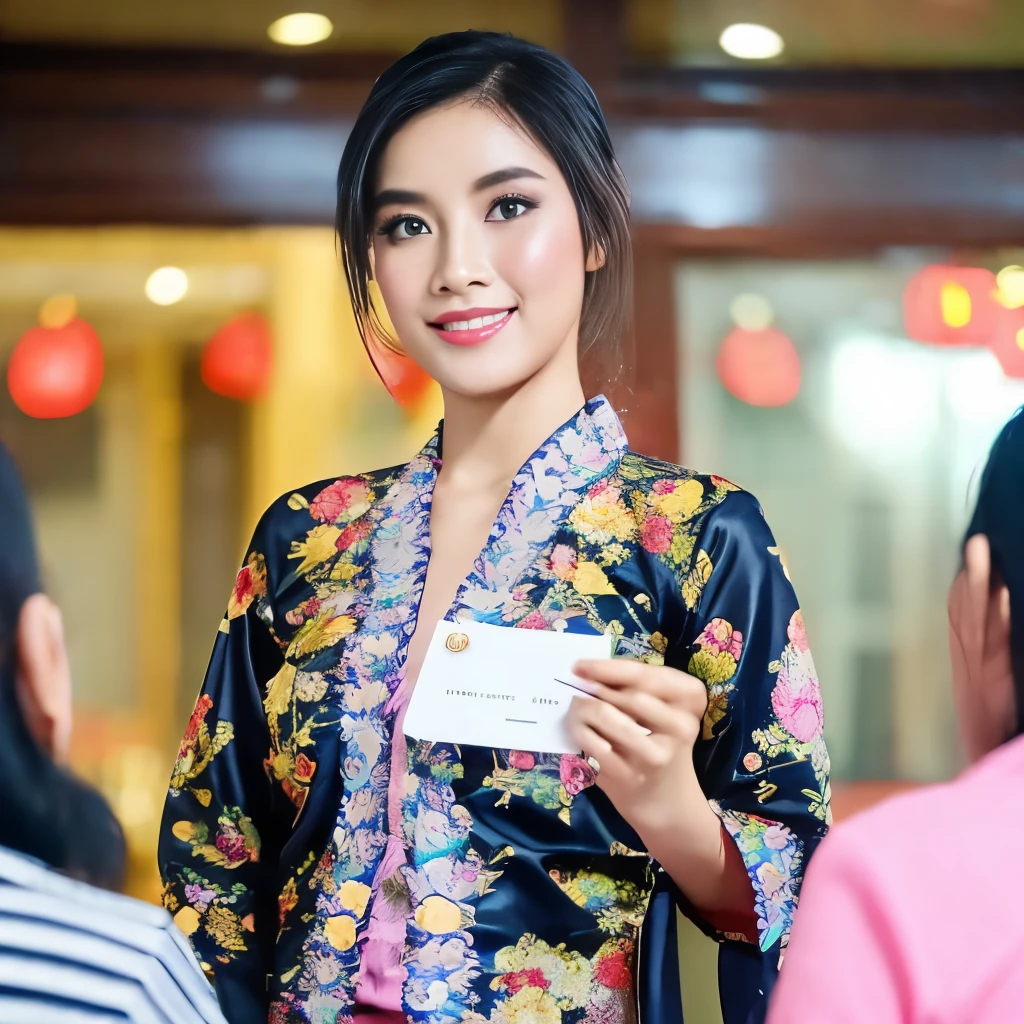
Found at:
(508, 209)
(409, 228)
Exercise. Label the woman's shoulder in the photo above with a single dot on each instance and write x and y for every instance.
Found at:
(319, 506)
(20, 871)
(50, 914)
(918, 818)
(685, 497)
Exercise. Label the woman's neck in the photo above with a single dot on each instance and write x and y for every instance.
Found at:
(487, 440)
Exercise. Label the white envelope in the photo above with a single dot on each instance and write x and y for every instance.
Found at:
(505, 689)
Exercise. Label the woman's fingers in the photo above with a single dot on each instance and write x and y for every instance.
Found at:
(648, 711)
(623, 675)
(607, 719)
(641, 749)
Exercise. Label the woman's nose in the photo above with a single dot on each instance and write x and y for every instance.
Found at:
(462, 260)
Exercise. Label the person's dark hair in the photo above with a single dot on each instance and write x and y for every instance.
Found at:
(998, 515)
(45, 811)
(538, 92)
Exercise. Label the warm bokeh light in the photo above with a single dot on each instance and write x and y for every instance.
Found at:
(58, 310)
(759, 367)
(167, 286)
(950, 306)
(1010, 283)
(236, 361)
(406, 382)
(301, 29)
(751, 311)
(955, 301)
(1007, 342)
(751, 42)
(883, 400)
(56, 372)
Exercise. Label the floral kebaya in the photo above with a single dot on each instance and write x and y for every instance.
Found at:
(329, 868)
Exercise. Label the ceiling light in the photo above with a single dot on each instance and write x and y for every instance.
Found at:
(751, 42)
(167, 286)
(300, 29)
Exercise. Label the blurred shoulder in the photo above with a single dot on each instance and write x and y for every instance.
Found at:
(31, 876)
(970, 799)
(908, 843)
(143, 957)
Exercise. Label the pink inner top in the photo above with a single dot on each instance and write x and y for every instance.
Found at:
(378, 991)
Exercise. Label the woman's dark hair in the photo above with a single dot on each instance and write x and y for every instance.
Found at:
(45, 811)
(538, 92)
(998, 515)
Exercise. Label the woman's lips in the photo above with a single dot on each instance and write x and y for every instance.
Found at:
(462, 332)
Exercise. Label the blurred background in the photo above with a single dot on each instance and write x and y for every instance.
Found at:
(829, 226)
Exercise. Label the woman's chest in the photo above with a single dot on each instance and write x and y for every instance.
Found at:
(458, 533)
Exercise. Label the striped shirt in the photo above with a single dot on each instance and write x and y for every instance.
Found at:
(74, 954)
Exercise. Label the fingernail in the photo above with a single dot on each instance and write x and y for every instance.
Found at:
(587, 686)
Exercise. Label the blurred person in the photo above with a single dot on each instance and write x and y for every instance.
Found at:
(69, 951)
(326, 867)
(909, 913)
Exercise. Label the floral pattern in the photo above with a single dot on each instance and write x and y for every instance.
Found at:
(234, 842)
(550, 780)
(307, 843)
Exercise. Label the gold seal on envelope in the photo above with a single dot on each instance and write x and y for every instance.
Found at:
(457, 642)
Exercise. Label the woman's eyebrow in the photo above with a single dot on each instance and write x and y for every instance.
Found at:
(505, 174)
(398, 197)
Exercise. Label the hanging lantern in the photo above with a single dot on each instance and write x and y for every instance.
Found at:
(759, 367)
(56, 371)
(950, 306)
(1007, 341)
(405, 380)
(236, 361)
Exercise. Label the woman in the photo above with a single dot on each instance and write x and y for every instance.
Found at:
(68, 950)
(910, 913)
(325, 867)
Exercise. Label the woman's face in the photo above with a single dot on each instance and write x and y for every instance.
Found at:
(477, 250)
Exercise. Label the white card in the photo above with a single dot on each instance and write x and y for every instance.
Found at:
(505, 688)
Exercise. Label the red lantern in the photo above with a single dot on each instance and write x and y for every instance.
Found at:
(405, 380)
(950, 306)
(1007, 341)
(237, 359)
(759, 367)
(56, 371)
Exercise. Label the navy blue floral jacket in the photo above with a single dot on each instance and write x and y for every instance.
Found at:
(308, 851)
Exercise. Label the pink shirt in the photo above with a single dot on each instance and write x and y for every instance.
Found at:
(913, 911)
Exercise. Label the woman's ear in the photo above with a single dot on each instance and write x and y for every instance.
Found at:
(44, 676)
(979, 619)
(595, 258)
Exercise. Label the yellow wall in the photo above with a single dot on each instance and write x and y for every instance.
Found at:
(112, 554)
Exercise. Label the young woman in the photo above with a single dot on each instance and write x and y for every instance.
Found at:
(910, 912)
(329, 868)
(69, 951)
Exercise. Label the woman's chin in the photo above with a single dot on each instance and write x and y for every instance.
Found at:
(472, 386)
(484, 377)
